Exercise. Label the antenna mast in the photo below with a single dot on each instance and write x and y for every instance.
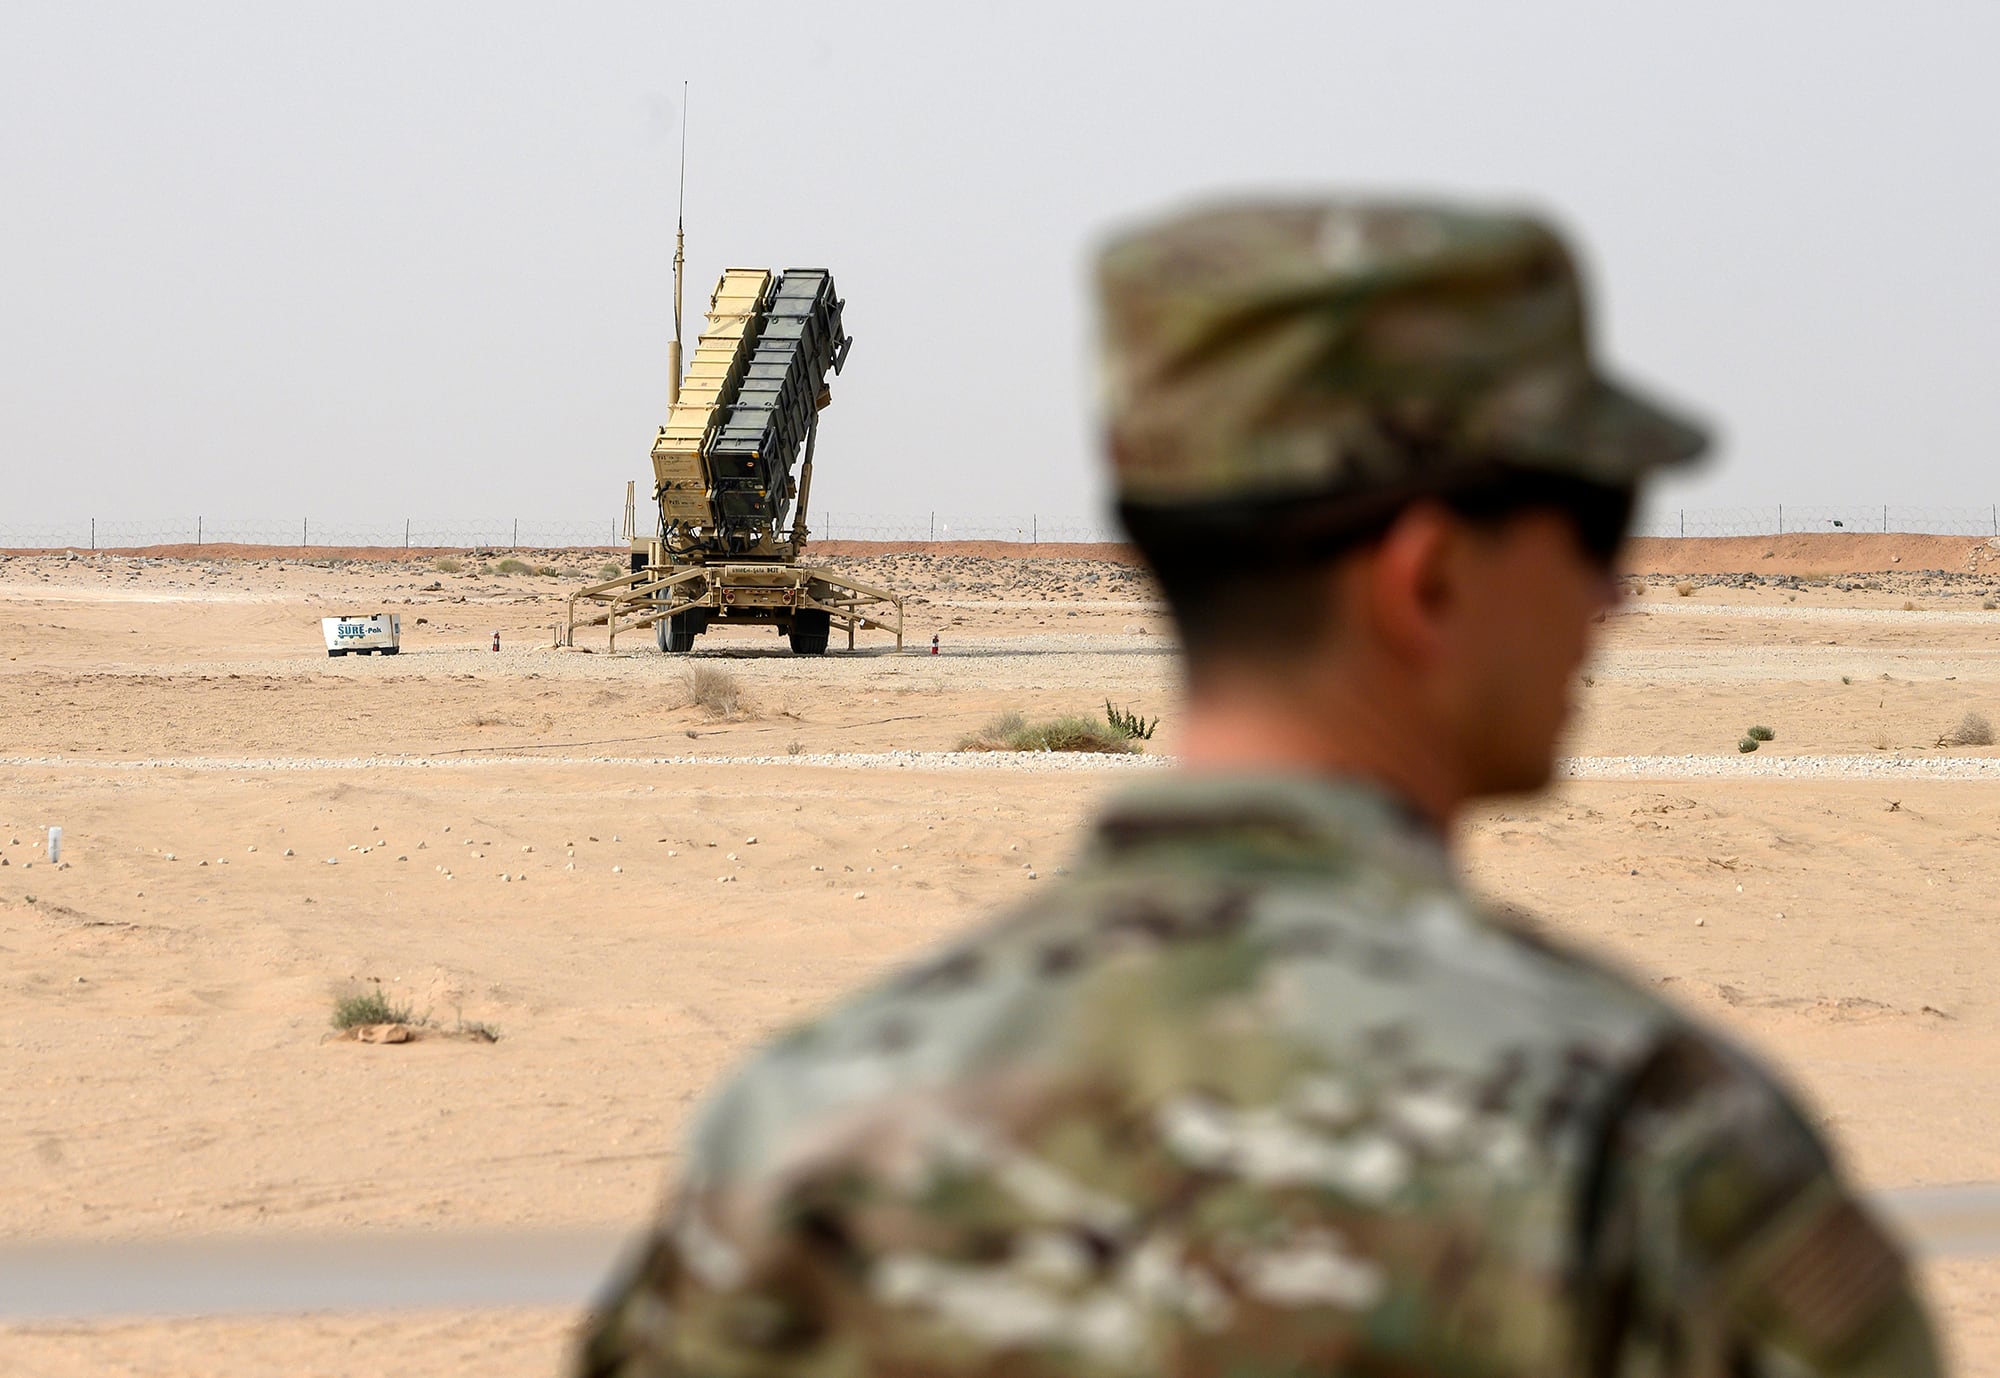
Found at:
(680, 233)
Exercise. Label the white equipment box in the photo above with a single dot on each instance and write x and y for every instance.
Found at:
(379, 634)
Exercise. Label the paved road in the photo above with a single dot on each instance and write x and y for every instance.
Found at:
(80, 1281)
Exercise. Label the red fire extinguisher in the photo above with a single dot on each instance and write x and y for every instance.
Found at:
(496, 638)
(934, 643)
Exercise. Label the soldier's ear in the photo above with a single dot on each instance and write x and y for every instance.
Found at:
(1411, 584)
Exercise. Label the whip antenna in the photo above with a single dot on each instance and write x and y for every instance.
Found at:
(680, 237)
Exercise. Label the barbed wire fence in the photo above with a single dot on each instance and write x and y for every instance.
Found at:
(511, 533)
(1785, 519)
(305, 534)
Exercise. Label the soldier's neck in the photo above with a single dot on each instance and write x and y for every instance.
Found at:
(1268, 724)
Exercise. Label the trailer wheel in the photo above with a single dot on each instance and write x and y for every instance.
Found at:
(676, 634)
(809, 631)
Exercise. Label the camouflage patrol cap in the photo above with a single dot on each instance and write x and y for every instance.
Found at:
(1333, 348)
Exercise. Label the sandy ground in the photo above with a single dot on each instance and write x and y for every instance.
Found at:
(558, 846)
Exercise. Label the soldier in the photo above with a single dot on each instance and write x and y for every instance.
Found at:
(1259, 1089)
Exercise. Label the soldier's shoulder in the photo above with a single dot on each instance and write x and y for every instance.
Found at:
(1718, 1198)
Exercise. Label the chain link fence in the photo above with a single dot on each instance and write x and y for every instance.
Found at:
(1030, 528)
(512, 533)
(304, 533)
(1785, 519)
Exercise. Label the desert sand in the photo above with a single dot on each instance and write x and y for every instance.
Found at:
(631, 889)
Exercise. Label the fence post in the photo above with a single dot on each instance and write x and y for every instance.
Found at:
(517, 534)
(933, 528)
(305, 527)
(1684, 521)
(93, 533)
(1034, 529)
(406, 533)
(1781, 519)
(197, 531)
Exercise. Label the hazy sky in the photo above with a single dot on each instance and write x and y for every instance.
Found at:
(413, 259)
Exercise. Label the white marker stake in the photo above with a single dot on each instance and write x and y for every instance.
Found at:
(55, 844)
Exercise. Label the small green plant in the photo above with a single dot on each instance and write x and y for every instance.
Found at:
(794, 747)
(1071, 732)
(609, 570)
(1847, 679)
(1748, 744)
(1761, 734)
(445, 564)
(368, 1007)
(1131, 726)
(510, 565)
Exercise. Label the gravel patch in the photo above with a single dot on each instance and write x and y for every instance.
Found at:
(1790, 612)
(1745, 665)
(1032, 761)
(1774, 767)
(1138, 663)
(1731, 767)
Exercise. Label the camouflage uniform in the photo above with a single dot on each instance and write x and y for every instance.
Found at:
(1258, 1089)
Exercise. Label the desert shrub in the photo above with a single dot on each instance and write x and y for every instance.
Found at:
(1071, 732)
(713, 690)
(548, 571)
(1131, 726)
(991, 737)
(1684, 589)
(1908, 606)
(368, 1007)
(511, 566)
(1762, 734)
(445, 564)
(1988, 605)
(1973, 730)
(610, 569)
(1748, 744)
